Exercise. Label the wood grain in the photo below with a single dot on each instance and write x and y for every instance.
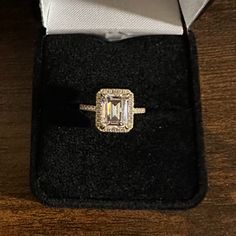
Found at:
(21, 214)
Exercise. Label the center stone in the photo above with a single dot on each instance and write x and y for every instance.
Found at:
(115, 110)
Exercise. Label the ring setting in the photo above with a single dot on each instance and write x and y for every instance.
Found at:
(114, 110)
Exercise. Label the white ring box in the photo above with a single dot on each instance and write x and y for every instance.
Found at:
(81, 167)
(119, 19)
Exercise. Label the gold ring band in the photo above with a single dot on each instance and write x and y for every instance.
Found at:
(92, 108)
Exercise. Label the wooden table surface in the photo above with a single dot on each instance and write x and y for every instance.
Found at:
(21, 214)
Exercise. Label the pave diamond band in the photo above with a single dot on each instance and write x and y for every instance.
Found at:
(87, 107)
(114, 110)
(92, 108)
(139, 110)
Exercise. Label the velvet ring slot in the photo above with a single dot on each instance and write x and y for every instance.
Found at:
(159, 164)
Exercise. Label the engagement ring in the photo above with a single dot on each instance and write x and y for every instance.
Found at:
(114, 110)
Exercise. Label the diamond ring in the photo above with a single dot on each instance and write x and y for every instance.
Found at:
(114, 110)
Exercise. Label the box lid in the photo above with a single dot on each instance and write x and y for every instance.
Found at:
(124, 18)
(192, 9)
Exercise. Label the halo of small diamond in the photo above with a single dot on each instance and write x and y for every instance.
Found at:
(119, 93)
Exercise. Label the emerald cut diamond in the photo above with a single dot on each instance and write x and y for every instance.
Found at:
(114, 110)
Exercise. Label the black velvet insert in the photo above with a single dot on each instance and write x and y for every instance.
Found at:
(158, 165)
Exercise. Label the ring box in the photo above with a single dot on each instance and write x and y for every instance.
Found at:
(143, 46)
